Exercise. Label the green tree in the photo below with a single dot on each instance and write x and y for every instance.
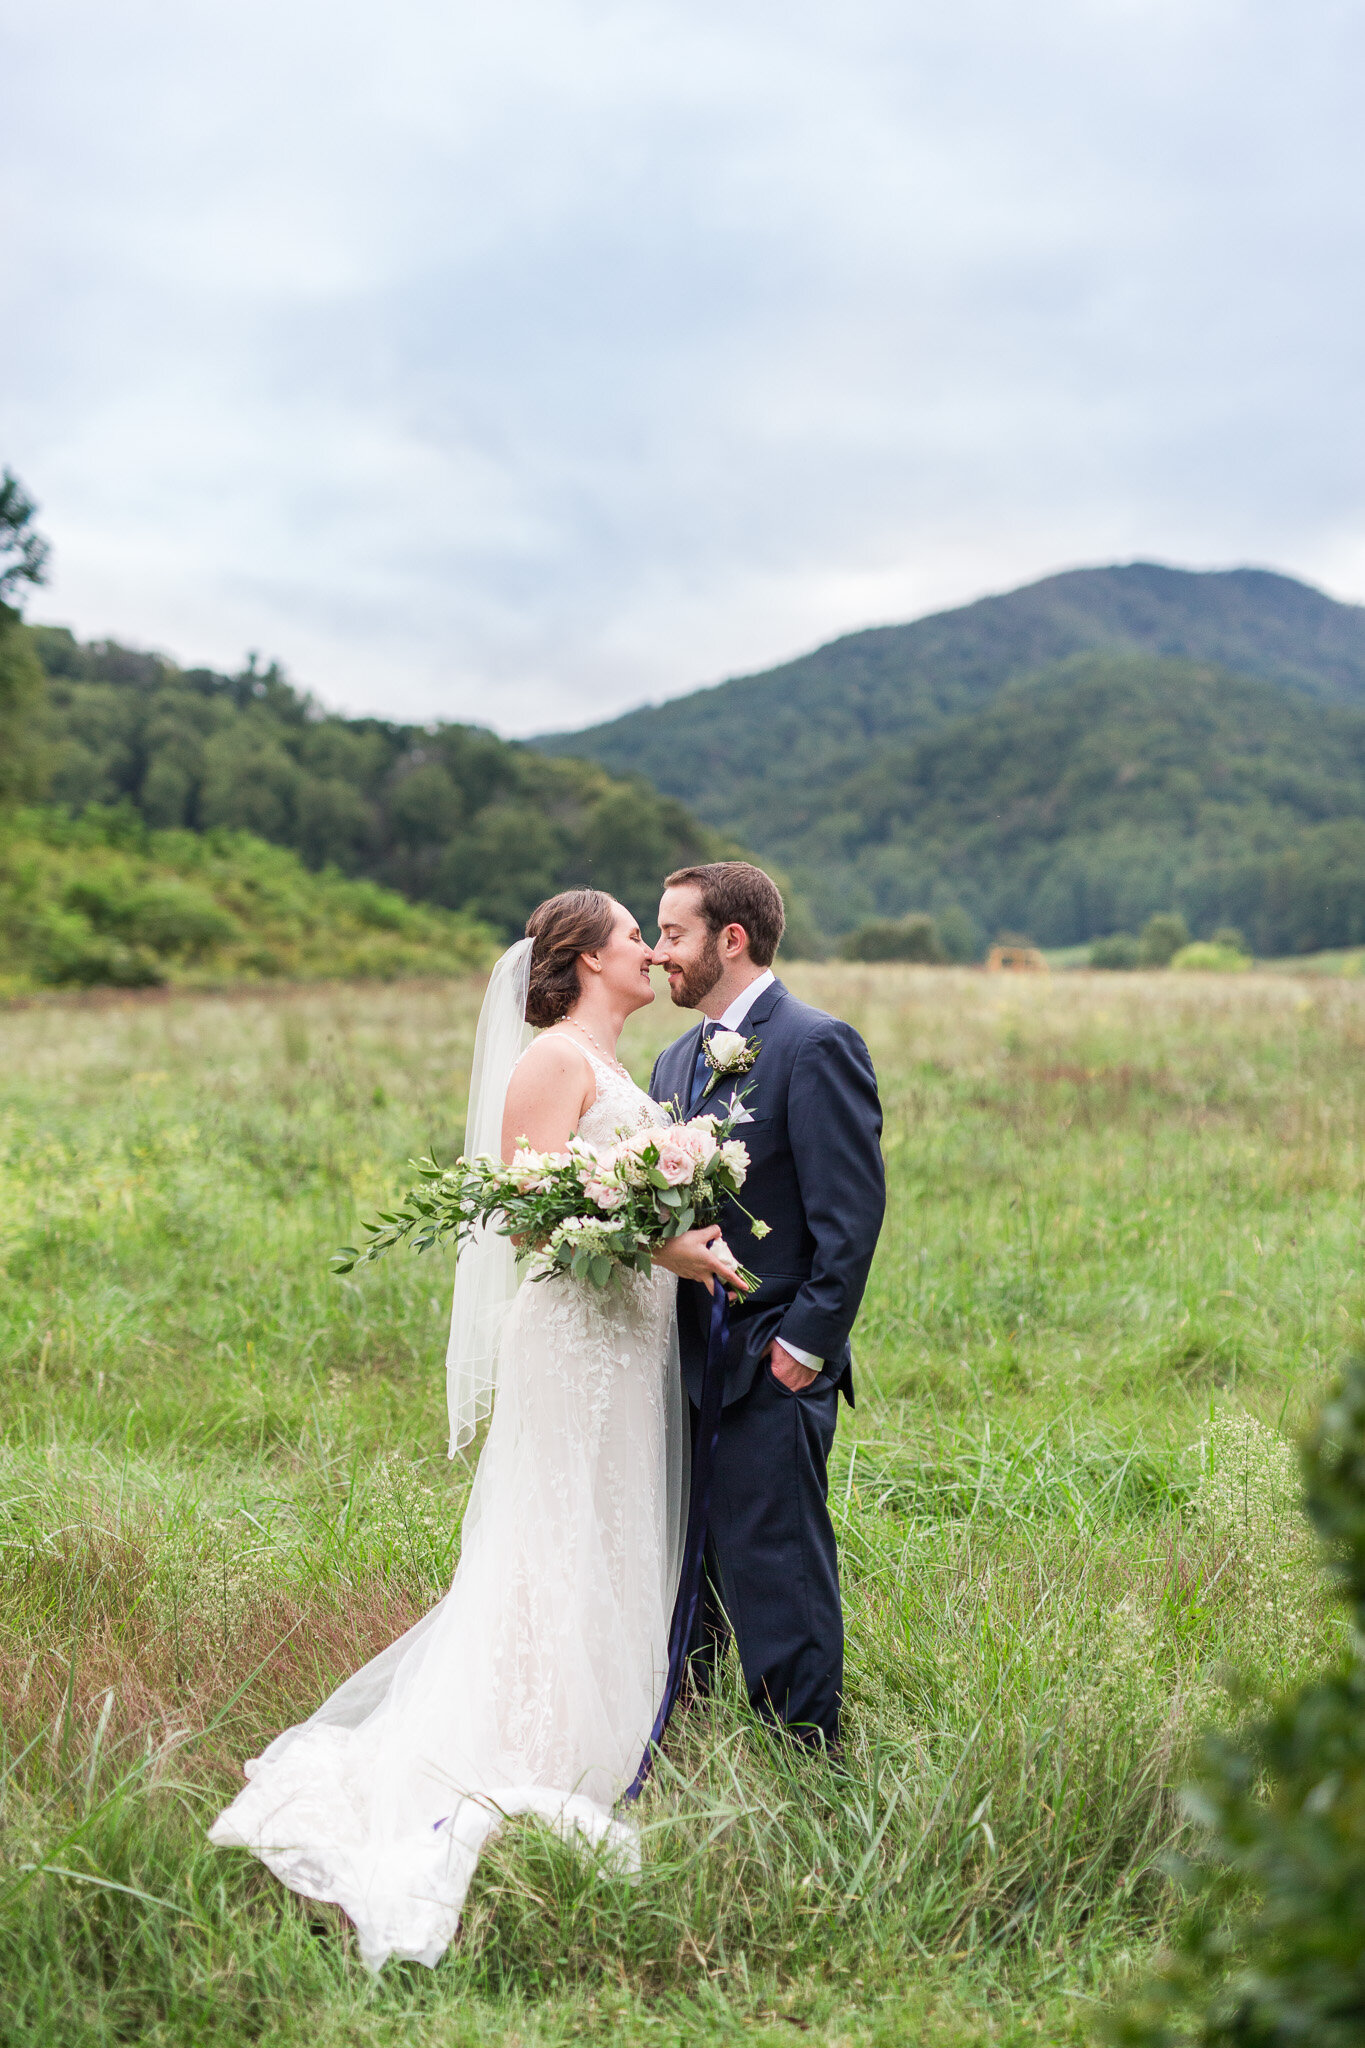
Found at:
(913, 938)
(425, 807)
(23, 761)
(23, 551)
(1163, 935)
(23, 563)
(959, 934)
(501, 869)
(335, 827)
(250, 783)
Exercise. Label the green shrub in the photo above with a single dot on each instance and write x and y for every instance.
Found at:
(913, 938)
(1273, 1948)
(1119, 950)
(101, 901)
(168, 915)
(380, 909)
(66, 953)
(174, 917)
(1206, 956)
(1162, 938)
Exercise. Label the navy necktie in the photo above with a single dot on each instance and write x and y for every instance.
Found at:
(701, 1072)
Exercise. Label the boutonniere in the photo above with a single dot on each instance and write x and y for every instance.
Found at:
(727, 1053)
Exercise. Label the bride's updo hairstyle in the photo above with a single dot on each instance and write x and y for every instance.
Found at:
(562, 927)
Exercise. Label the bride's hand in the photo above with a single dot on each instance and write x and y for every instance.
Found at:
(702, 1255)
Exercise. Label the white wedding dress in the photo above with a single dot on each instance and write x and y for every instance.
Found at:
(533, 1685)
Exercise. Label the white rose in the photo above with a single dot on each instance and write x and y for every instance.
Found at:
(726, 1046)
(736, 1157)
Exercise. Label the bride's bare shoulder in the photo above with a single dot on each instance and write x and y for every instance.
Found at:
(552, 1086)
(553, 1056)
(553, 1069)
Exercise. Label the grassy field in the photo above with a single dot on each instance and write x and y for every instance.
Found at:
(1121, 1258)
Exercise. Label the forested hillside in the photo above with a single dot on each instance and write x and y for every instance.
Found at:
(1106, 788)
(452, 815)
(1038, 760)
(1063, 800)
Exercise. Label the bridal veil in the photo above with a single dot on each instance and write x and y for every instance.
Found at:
(486, 1276)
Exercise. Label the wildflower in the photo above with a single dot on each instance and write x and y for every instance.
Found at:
(1251, 1499)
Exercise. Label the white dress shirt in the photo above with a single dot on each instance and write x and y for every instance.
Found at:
(731, 1021)
(744, 1002)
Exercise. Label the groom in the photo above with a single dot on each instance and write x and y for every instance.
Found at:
(811, 1120)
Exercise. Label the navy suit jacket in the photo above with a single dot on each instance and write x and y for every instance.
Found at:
(815, 1177)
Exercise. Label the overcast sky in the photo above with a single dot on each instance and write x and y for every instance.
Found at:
(527, 359)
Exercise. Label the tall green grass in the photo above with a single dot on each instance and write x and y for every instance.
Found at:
(1119, 1261)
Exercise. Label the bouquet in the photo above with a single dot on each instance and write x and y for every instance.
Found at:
(593, 1211)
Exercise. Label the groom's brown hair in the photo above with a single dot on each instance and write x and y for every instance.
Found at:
(736, 892)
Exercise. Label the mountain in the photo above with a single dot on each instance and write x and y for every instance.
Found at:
(449, 814)
(817, 763)
(1109, 786)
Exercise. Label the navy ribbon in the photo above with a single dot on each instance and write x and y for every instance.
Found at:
(685, 1607)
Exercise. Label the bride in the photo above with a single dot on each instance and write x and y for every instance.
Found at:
(531, 1688)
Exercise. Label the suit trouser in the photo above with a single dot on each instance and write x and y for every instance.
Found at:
(772, 1568)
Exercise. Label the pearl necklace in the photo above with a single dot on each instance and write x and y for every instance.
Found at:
(609, 1058)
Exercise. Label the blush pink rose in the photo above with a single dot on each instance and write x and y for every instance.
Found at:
(677, 1163)
(699, 1140)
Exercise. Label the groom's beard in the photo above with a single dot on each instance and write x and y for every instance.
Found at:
(694, 984)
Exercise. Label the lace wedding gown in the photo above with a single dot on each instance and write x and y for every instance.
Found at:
(531, 1688)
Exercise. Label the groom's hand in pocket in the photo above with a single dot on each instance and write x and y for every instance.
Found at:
(788, 1371)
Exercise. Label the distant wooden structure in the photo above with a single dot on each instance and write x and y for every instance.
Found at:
(1016, 960)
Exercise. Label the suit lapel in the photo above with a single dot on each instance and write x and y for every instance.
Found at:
(763, 1009)
(678, 1063)
(752, 1027)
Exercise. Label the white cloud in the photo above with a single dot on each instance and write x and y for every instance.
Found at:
(524, 363)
